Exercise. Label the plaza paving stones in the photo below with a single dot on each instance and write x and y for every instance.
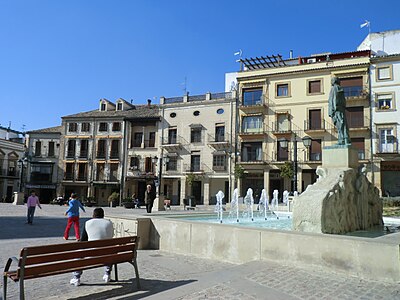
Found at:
(170, 276)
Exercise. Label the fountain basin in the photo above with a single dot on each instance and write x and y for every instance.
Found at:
(363, 257)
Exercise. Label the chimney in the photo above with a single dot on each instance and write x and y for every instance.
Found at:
(291, 54)
(148, 102)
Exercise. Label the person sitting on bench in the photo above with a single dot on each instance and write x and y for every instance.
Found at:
(97, 228)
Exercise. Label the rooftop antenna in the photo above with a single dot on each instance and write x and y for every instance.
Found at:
(184, 86)
(240, 52)
(23, 127)
(367, 24)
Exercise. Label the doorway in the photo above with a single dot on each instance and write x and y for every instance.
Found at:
(196, 191)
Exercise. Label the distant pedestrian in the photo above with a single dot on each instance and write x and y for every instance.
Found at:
(149, 197)
(73, 216)
(31, 203)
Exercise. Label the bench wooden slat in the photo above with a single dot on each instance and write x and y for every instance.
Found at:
(36, 250)
(45, 258)
(78, 264)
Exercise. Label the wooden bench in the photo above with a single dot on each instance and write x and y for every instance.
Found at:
(48, 260)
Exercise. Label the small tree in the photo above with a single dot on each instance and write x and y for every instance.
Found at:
(113, 197)
(287, 170)
(238, 172)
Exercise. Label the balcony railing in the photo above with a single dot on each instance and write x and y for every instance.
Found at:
(314, 125)
(172, 140)
(114, 155)
(315, 156)
(354, 91)
(68, 176)
(81, 177)
(6, 172)
(100, 155)
(71, 154)
(282, 128)
(358, 122)
(83, 154)
(196, 168)
(389, 147)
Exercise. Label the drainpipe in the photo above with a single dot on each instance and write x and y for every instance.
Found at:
(371, 125)
(124, 154)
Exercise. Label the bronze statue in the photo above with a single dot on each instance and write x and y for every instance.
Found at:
(337, 111)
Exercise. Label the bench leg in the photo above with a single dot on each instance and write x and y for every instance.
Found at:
(21, 290)
(4, 287)
(134, 263)
(116, 272)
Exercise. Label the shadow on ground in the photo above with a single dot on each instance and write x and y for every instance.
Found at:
(43, 227)
(129, 290)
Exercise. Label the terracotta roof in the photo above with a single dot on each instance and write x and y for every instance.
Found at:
(55, 129)
(136, 112)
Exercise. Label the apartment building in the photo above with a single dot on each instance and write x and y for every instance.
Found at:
(42, 166)
(385, 103)
(93, 148)
(12, 150)
(197, 147)
(142, 150)
(285, 102)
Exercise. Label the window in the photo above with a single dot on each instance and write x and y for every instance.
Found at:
(355, 116)
(252, 124)
(385, 101)
(196, 113)
(119, 105)
(282, 153)
(315, 150)
(41, 173)
(359, 144)
(101, 172)
(172, 115)
(252, 151)
(195, 135)
(172, 164)
(82, 171)
(51, 149)
(101, 149)
(282, 90)
(113, 172)
(69, 171)
(314, 119)
(386, 140)
(116, 126)
(103, 126)
(352, 87)
(252, 97)
(38, 148)
(148, 165)
(283, 123)
(71, 148)
(152, 139)
(85, 127)
(84, 149)
(172, 136)
(114, 149)
(137, 139)
(194, 162)
(220, 111)
(72, 127)
(384, 73)
(219, 132)
(314, 87)
(219, 162)
(103, 106)
(134, 163)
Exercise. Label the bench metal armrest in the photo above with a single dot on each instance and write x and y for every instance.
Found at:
(9, 261)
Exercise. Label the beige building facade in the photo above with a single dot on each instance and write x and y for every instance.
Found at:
(288, 100)
(197, 147)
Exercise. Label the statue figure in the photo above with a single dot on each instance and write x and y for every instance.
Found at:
(337, 111)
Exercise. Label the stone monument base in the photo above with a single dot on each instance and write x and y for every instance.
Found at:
(18, 198)
(342, 200)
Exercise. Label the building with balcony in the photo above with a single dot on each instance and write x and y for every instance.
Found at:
(287, 100)
(93, 149)
(385, 103)
(12, 149)
(197, 147)
(41, 161)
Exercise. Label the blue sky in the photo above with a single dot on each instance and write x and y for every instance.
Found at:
(60, 57)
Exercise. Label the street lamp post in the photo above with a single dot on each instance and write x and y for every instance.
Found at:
(21, 164)
(284, 144)
(159, 162)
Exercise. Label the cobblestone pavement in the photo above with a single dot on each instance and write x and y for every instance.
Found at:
(170, 276)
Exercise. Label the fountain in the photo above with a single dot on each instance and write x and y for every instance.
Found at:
(249, 201)
(235, 205)
(218, 206)
(274, 202)
(263, 204)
